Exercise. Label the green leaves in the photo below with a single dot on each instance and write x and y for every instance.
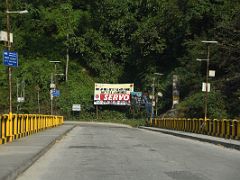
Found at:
(193, 106)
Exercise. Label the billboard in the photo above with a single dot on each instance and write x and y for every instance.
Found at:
(136, 98)
(113, 94)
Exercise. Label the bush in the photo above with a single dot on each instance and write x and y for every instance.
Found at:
(193, 106)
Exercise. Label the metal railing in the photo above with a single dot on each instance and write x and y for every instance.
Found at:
(14, 126)
(225, 128)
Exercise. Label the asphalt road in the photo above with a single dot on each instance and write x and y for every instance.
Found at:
(119, 153)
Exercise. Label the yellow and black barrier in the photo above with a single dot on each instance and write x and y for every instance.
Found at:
(226, 128)
(14, 126)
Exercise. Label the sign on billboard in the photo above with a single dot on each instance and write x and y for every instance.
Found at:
(136, 98)
(113, 94)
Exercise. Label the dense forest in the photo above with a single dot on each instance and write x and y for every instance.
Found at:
(124, 41)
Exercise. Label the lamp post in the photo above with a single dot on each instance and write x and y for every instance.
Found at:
(207, 86)
(153, 94)
(53, 85)
(55, 69)
(9, 48)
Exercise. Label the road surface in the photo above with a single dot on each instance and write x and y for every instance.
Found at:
(101, 152)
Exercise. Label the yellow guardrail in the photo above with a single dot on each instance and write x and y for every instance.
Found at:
(226, 128)
(14, 126)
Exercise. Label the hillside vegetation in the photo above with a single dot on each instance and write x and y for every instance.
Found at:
(124, 41)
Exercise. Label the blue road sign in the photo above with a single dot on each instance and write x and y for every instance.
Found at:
(10, 58)
(55, 93)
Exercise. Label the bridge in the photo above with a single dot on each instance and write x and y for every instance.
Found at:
(46, 147)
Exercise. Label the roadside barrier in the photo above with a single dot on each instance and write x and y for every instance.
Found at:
(14, 126)
(225, 128)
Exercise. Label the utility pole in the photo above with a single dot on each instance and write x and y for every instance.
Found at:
(67, 61)
(153, 94)
(9, 49)
(207, 85)
(153, 99)
(9, 67)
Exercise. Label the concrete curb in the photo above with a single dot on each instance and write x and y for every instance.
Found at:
(23, 167)
(206, 138)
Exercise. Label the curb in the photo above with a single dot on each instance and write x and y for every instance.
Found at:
(23, 167)
(188, 136)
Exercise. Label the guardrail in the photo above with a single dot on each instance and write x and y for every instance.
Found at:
(14, 126)
(225, 128)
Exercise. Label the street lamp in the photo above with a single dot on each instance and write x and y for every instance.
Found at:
(207, 85)
(153, 94)
(53, 85)
(17, 12)
(9, 49)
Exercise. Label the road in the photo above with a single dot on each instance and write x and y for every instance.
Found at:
(119, 153)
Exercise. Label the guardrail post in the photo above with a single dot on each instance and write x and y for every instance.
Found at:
(218, 127)
(210, 127)
(15, 121)
(234, 129)
(228, 133)
(2, 130)
(238, 130)
(9, 127)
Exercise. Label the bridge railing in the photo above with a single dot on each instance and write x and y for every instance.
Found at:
(14, 126)
(226, 128)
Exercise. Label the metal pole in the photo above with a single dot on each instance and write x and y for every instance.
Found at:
(67, 62)
(39, 111)
(153, 97)
(55, 72)
(206, 93)
(55, 81)
(51, 104)
(17, 95)
(51, 97)
(9, 68)
(156, 109)
(97, 111)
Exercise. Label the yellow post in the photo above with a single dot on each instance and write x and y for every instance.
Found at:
(15, 126)
(228, 129)
(9, 127)
(234, 129)
(27, 124)
(1, 130)
(238, 129)
(218, 127)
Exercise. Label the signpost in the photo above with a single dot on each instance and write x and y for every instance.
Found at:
(76, 108)
(55, 92)
(10, 58)
(4, 36)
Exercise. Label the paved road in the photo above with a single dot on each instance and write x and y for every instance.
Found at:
(120, 153)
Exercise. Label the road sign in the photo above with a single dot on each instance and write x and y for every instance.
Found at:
(55, 92)
(20, 99)
(3, 36)
(206, 86)
(10, 58)
(211, 73)
(76, 107)
(52, 86)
